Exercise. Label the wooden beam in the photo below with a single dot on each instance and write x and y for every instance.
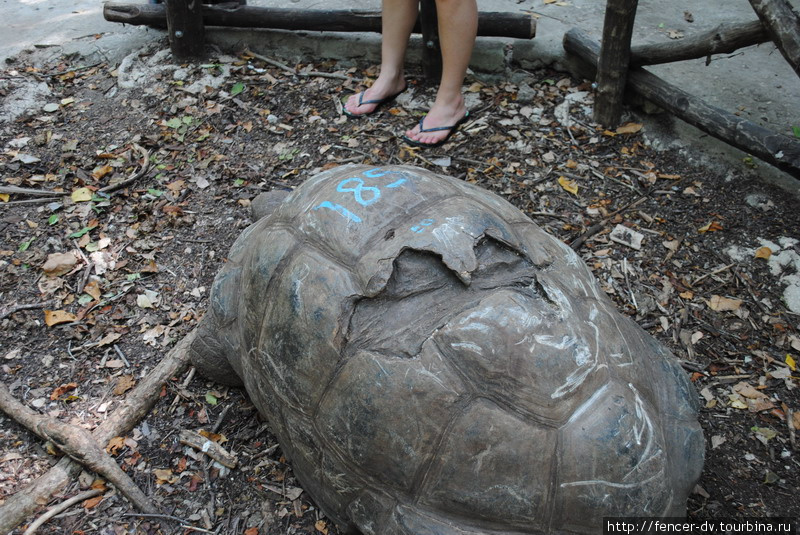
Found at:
(612, 68)
(777, 149)
(431, 50)
(490, 24)
(724, 39)
(783, 24)
(185, 28)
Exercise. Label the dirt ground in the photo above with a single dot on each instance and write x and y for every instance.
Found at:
(96, 287)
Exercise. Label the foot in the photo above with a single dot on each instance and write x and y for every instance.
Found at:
(368, 101)
(441, 115)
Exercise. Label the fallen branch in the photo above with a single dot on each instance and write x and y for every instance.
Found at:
(63, 506)
(136, 405)
(78, 443)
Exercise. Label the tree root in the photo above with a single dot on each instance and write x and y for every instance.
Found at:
(136, 405)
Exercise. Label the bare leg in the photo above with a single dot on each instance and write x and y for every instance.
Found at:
(399, 17)
(458, 25)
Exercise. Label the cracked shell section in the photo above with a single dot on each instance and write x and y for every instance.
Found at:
(612, 461)
(517, 349)
(386, 414)
(299, 345)
(494, 468)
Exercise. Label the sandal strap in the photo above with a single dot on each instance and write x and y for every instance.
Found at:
(422, 128)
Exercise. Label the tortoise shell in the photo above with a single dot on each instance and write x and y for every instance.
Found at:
(432, 362)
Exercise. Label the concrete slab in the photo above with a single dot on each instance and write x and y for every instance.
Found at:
(756, 83)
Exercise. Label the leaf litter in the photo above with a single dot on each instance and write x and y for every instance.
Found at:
(97, 285)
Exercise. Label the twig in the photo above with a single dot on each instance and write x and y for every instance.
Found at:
(221, 418)
(143, 168)
(548, 214)
(334, 75)
(790, 423)
(40, 200)
(270, 61)
(30, 191)
(13, 309)
(157, 515)
(78, 443)
(63, 506)
(715, 272)
(122, 355)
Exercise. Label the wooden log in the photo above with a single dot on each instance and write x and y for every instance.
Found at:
(777, 149)
(490, 24)
(724, 39)
(783, 25)
(431, 50)
(612, 68)
(186, 29)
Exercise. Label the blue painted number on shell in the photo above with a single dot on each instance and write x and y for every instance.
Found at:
(374, 173)
(422, 224)
(340, 209)
(357, 191)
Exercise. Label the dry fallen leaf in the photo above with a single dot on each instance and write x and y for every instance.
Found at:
(102, 171)
(215, 437)
(164, 475)
(711, 227)
(629, 128)
(723, 304)
(124, 383)
(763, 252)
(81, 195)
(58, 264)
(55, 317)
(568, 185)
(61, 390)
(115, 444)
(92, 502)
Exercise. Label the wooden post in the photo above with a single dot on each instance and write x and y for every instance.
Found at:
(185, 28)
(612, 67)
(777, 149)
(783, 25)
(431, 51)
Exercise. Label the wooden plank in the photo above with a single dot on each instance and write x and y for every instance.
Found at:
(612, 68)
(490, 24)
(724, 39)
(777, 149)
(783, 24)
(186, 29)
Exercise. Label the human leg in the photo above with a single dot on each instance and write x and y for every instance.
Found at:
(458, 25)
(398, 18)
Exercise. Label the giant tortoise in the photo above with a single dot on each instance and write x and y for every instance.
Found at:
(432, 362)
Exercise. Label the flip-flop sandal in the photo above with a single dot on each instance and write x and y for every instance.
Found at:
(422, 129)
(380, 102)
